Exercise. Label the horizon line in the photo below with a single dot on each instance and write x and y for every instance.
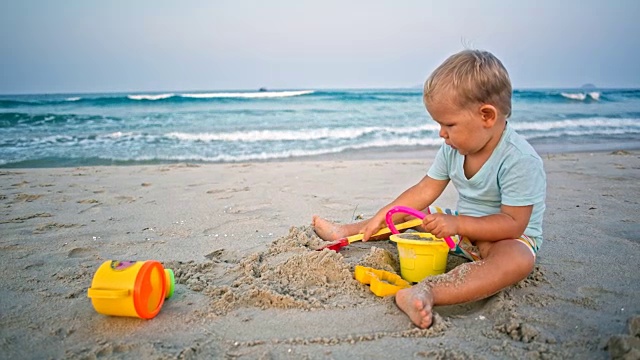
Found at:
(144, 92)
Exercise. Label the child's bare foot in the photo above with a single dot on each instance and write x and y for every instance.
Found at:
(416, 302)
(327, 230)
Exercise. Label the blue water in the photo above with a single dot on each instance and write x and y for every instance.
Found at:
(143, 128)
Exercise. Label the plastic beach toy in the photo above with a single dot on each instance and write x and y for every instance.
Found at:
(382, 283)
(414, 212)
(421, 255)
(340, 243)
(170, 283)
(131, 288)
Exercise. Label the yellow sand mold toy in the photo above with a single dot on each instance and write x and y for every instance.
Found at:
(382, 283)
(131, 288)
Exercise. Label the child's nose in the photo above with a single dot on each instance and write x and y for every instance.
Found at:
(442, 133)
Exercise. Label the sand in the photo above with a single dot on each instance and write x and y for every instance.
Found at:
(250, 283)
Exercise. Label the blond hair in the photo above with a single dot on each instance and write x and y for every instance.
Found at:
(471, 77)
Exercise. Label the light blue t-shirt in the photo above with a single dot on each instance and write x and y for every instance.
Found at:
(513, 175)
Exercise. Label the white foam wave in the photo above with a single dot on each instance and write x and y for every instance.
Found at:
(574, 96)
(56, 139)
(594, 95)
(566, 124)
(72, 99)
(293, 153)
(299, 135)
(249, 95)
(568, 133)
(119, 135)
(150, 96)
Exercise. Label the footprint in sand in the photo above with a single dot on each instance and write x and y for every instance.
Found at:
(26, 197)
(53, 226)
(21, 219)
(88, 201)
(80, 252)
(125, 199)
(226, 192)
(212, 230)
(36, 264)
(221, 255)
(596, 291)
(20, 184)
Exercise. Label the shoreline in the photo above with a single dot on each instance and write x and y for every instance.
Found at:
(249, 285)
(387, 153)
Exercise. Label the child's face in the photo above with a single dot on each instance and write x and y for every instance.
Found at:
(461, 128)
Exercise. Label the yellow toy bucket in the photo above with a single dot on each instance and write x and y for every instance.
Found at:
(421, 255)
(129, 288)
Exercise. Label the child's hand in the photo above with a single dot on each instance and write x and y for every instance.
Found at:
(441, 225)
(372, 227)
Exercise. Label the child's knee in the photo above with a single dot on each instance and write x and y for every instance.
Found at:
(515, 257)
(522, 262)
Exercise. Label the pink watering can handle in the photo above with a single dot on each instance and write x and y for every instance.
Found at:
(414, 212)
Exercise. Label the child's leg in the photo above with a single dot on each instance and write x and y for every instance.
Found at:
(503, 263)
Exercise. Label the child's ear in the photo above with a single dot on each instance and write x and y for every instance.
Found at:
(489, 114)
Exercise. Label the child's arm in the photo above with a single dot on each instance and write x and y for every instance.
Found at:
(419, 196)
(510, 223)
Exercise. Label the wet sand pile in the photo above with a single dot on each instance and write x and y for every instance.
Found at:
(289, 274)
(381, 259)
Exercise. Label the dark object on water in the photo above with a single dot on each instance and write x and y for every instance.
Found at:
(263, 89)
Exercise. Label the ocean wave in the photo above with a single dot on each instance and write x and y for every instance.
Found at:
(299, 135)
(572, 95)
(211, 96)
(297, 153)
(116, 99)
(151, 97)
(567, 134)
(594, 122)
(97, 152)
(11, 119)
(388, 95)
(580, 96)
(247, 95)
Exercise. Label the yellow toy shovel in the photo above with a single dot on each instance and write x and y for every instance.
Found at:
(340, 243)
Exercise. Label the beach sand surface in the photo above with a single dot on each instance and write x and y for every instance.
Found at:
(250, 284)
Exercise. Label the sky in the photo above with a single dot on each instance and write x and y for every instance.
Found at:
(77, 46)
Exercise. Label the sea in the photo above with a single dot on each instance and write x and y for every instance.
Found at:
(59, 130)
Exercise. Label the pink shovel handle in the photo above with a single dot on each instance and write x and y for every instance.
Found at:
(414, 212)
